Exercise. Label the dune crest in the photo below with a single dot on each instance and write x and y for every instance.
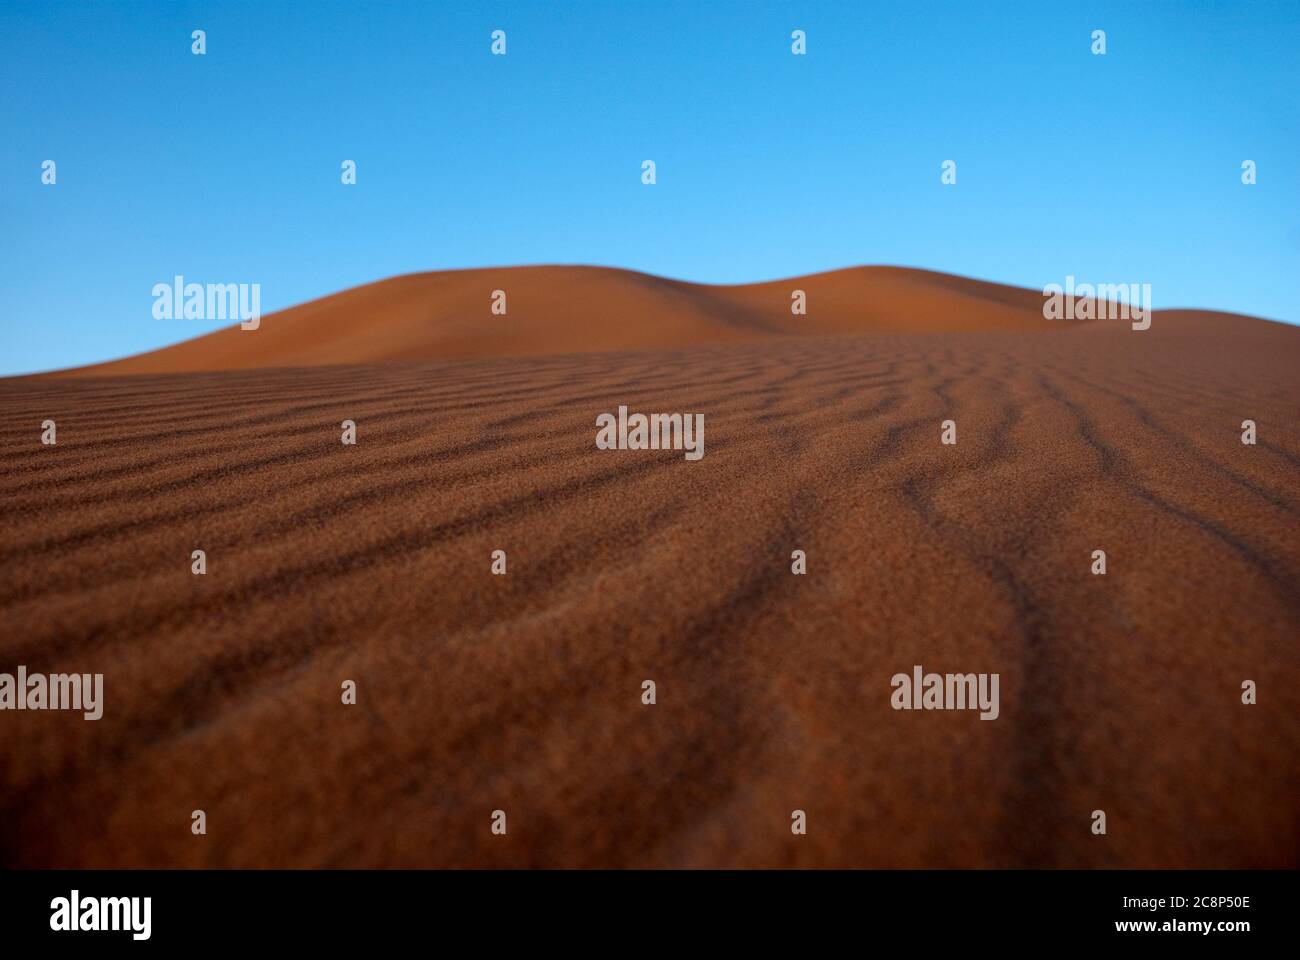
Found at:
(552, 310)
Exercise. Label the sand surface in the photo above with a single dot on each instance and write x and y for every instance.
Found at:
(523, 692)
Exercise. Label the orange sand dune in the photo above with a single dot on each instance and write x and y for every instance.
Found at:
(559, 310)
(523, 692)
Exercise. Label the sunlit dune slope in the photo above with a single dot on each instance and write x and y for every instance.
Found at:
(555, 310)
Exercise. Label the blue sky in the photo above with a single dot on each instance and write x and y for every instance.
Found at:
(225, 167)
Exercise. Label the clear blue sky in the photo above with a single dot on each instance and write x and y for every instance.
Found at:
(225, 167)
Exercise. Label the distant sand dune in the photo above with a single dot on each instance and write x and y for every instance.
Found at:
(522, 692)
(560, 310)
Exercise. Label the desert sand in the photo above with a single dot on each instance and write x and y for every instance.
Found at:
(522, 692)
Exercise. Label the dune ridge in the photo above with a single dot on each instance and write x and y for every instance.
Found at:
(555, 310)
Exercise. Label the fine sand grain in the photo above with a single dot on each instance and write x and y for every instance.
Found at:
(523, 692)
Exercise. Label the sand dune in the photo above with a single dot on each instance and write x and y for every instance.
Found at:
(560, 310)
(522, 692)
